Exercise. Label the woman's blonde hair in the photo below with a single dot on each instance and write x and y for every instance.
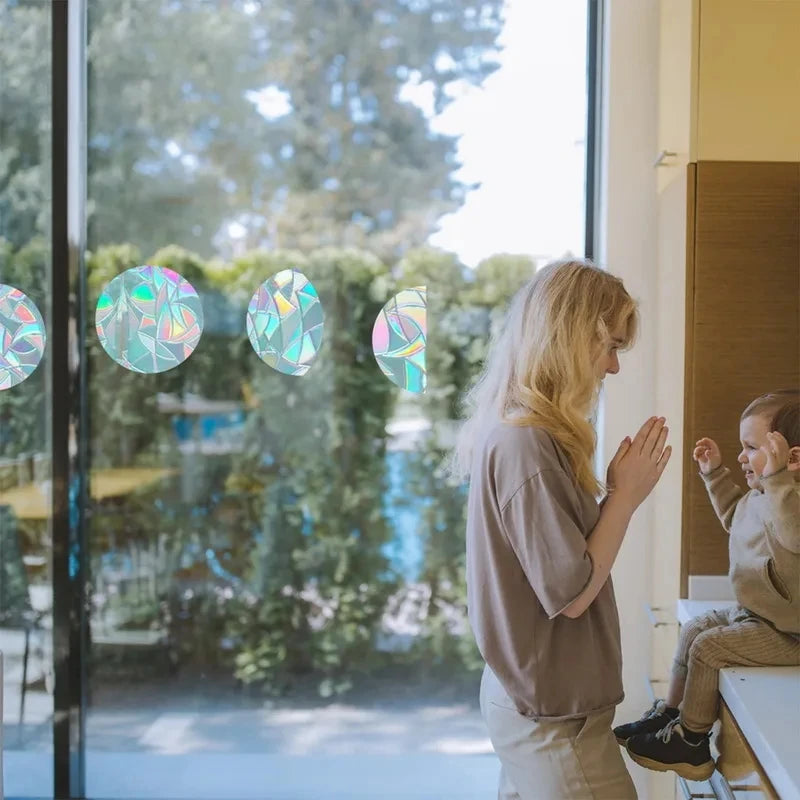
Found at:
(541, 367)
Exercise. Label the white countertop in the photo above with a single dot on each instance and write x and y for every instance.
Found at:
(765, 702)
(692, 608)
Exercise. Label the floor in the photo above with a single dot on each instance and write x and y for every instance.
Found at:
(113, 776)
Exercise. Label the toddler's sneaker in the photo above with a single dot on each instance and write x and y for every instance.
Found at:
(654, 719)
(673, 748)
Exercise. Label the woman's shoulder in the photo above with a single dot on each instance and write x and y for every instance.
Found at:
(509, 433)
(523, 449)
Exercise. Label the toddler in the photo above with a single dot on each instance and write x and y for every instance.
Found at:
(763, 629)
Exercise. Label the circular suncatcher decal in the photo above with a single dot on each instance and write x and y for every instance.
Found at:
(285, 322)
(22, 336)
(398, 339)
(149, 319)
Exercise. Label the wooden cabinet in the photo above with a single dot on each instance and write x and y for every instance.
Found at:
(748, 74)
(728, 243)
(737, 763)
(727, 306)
(728, 74)
(739, 776)
(742, 322)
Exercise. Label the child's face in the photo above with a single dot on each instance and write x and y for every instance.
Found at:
(753, 433)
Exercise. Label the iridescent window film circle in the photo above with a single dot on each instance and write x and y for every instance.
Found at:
(149, 319)
(285, 322)
(22, 336)
(398, 339)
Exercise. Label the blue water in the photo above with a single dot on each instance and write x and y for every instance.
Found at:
(209, 424)
(405, 550)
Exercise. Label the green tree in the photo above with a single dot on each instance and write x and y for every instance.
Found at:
(457, 345)
(25, 129)
(338, 174)
(497, 278)
(315, 468)
(178, 147)
(365, 167)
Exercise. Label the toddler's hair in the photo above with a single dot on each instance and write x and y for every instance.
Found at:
(787, 422)
(782, 408)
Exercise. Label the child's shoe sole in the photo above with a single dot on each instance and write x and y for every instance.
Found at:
(690, 772)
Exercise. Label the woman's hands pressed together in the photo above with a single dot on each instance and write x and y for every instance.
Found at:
(637, 465)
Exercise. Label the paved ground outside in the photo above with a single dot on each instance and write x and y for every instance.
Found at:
(199, 739)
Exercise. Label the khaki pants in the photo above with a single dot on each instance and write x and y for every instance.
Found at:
(731, 637)
(577, 759)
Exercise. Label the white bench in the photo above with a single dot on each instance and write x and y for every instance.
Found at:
(759, 713)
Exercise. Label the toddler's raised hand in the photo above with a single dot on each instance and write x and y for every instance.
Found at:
(707, 455)
(776, 449)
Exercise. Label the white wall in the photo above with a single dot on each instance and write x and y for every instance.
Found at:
(628, 248)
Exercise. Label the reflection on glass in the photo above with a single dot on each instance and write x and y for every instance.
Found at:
(25, 439)
(277, 588)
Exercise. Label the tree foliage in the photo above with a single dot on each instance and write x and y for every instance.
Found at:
(295, 120)
(228, 140)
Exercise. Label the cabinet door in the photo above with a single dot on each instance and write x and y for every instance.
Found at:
(747, 77)
(737, 763)
(742, 322)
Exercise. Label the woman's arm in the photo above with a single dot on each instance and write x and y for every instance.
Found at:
(542, 521)
(603, 545)
(637, 468)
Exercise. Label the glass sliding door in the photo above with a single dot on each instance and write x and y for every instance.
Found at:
(25, 398)
(303, 221)
(276, 611)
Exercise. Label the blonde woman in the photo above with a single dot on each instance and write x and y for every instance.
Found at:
(539, 546)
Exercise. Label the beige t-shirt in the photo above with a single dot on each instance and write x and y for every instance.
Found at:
(527, 524)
